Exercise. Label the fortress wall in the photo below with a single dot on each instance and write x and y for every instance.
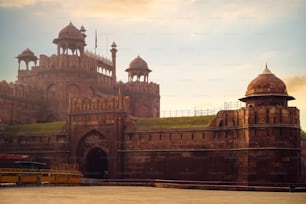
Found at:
(52, 149)
(206, 138)
(273, 166)
(191, 155)
(253, 145)
(303, 159)
(18, 103)
(181, 164)
(272, 115)
(274, 145)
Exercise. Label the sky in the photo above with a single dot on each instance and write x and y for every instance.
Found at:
(202, 52)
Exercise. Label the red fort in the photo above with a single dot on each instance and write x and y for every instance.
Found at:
(257, 144)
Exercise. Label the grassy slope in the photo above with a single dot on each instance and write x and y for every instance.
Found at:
(144, 124)
(36, 128)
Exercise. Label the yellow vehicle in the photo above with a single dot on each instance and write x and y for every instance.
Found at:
(29, 172)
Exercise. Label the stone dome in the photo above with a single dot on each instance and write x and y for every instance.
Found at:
(266, 83)
(70, 32)
(138, 64)
(139, 68)
(27, 53)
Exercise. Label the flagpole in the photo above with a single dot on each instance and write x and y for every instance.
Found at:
(106, 46)
(96, 43)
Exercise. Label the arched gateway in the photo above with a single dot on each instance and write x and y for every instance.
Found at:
(96, 164)
(93, 150)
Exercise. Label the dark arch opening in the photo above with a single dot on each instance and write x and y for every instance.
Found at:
(96, 164)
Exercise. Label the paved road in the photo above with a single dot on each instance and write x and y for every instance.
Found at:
(142, 195)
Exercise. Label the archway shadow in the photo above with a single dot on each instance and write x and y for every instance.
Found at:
(96, 164)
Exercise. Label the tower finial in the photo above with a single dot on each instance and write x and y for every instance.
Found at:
(266, 70)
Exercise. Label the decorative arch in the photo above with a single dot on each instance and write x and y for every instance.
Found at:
(51, 91)
(73, 90)
(93, 148)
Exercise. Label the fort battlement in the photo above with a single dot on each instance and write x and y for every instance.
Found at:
(88, 62)
(227, 130)
(142, 87)
(98, 104)
(19, 91)
(272, 115)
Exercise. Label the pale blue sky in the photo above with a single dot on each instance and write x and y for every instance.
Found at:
(202, 52)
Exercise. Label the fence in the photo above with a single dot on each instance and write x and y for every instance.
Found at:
(200, 111)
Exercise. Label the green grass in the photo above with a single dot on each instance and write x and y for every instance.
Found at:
(143, 124)
(36, 128)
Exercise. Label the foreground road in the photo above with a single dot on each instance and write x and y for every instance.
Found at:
(142, 195)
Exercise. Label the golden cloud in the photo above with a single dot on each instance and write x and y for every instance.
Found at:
(91, 8)
(295, 83)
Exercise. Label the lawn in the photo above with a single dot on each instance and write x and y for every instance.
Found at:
(143, 124)
(36, 128)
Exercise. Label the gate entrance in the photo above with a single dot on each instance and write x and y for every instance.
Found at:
(96, 164)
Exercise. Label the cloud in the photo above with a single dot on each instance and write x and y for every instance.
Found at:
(297, 87)
(182, 11)
(16, 3)
(296, 83)
(88, 8)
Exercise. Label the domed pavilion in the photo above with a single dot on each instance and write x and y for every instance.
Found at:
(139, 68)
(70, 38)
(266, 89)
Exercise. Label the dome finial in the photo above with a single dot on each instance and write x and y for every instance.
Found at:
(266, 70)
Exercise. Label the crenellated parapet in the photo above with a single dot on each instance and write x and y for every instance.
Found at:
(19, 103)
(142, 88)
(20, 92)
(256, 116)
(98, 104)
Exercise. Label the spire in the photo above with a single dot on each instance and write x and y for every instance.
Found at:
(266, 70)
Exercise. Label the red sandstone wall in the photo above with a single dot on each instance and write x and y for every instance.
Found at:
(145, 99)
(52, 149)
(303, 159)
(19, 104)
(248, 145)
(191, 155)
(181, 165)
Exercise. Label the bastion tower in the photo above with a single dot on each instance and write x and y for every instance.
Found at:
(272, 131)
(145, 99)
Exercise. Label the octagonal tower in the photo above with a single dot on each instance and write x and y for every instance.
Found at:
(271, 130)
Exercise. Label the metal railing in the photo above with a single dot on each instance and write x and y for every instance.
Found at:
(234, 105)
